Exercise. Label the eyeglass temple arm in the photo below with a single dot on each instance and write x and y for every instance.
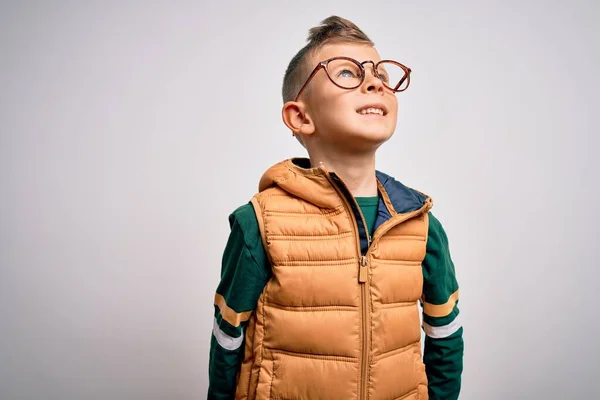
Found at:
(313, 73)
(402, 80)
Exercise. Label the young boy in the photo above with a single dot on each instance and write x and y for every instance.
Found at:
(325, 267)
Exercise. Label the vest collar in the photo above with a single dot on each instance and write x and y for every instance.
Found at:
(314, 184)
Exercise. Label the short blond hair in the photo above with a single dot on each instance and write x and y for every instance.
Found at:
(333, 29)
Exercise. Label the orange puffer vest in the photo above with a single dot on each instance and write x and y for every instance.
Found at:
(338, 319)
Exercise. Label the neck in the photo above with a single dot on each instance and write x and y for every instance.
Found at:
(356, 170)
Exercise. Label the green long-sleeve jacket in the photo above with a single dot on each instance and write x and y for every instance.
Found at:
(246, 270)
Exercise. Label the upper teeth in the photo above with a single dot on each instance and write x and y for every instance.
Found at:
(371, 111)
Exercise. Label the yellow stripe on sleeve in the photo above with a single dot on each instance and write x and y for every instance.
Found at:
(441, 310)
(228, 314)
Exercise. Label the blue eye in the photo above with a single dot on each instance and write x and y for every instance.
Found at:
(383, 75)
(346, 73)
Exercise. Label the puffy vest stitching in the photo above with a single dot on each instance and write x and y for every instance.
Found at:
(390, 353)
(311, 237)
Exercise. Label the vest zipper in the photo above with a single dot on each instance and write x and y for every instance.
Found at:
(362, 279)
(363, 271)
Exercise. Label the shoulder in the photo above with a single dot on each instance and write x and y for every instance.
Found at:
(434, 223)
(243, 213)
(244, 219)
(436, 230)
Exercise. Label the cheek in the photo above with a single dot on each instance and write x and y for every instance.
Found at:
(334, 110)
(394, 110)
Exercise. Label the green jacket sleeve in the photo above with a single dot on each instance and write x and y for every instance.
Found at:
(244, 273)
(444, 346)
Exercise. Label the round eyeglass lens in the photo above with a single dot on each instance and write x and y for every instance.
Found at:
(344, 73)
(392, 75)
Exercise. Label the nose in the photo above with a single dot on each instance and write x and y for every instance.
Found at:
(372, 83)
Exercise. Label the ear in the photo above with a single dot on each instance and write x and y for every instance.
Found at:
(295, 117)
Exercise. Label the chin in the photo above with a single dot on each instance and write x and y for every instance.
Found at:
(368, 138)
(379, 135)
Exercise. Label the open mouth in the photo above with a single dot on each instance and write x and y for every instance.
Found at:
(372, 109)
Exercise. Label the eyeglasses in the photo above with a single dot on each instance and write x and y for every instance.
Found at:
(347, 73)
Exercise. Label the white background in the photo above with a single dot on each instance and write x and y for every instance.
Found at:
(130, 131)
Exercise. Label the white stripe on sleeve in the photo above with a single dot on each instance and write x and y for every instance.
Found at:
(440, 332)
(225, 341)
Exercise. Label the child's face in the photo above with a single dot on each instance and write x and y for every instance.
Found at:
(336, 112)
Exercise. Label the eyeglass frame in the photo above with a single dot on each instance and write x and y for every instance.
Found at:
(323, 65)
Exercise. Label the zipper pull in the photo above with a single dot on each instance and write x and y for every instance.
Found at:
(362, 272)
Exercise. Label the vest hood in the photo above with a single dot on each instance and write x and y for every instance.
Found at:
(314, 185)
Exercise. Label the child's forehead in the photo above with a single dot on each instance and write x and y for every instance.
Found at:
(358, 51)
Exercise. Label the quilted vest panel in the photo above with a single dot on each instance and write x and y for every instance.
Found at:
(319, 333)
